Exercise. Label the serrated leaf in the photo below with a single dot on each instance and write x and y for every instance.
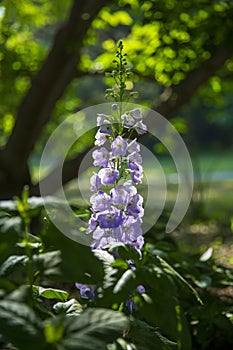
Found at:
(93, 329)
(147, 337)
(9, 224)
(122, 344)
(70, 307)
(20, 326)
(12, 263)
(109, 272)
(50, 293)
(127, 279)
(48, 263)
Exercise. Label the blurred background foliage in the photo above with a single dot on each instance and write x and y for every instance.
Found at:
(181, 54)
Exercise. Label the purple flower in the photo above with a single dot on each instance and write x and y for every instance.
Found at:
(110, 218)
(119, 146)
(137, 113)
(131, 229)
(136, 172)
(92, 223)
(86, 291)
(134, 206)
(103, 238)
(106, 128)
(141, 128)
(127, 120)
(108, 176)
(130, 188)
(95, 182)
(134, 166)
(102, 119)
(100, 201)
(133, 146)
(100, 138)
(134, 157)
(139, 244)
(141, 289)
(131, 305)
(120, 194)
(101, 157)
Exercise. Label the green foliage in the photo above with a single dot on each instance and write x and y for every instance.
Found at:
(19, 323)
(169, 315)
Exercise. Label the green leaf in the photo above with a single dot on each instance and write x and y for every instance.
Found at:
(127, 279)
(177, 278)
(12, 263)
(125, 252)
(164, 292)
(93, 329)
(122, 344)
(9, 230)
(71, 307)
(20, 326)
(50, 293)
(48, 263)
(78, 261)
(147, 337)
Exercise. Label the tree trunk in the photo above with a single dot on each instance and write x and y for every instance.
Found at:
(34, 112)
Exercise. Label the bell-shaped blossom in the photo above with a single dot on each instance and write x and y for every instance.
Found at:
(134, 157)
(131, 189)
(110, 218)
(119, 146)
(136, 113)
(128, 121)
(92, 223)
(108, 175)
(134, 206)
(102, 119)
(95, 182)
(133, 146)
(86, 291)
(100, 138)
(106, 128)
(101, 157)
(120, 195)
(136, 172)
(100, 201)
(141, 127)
